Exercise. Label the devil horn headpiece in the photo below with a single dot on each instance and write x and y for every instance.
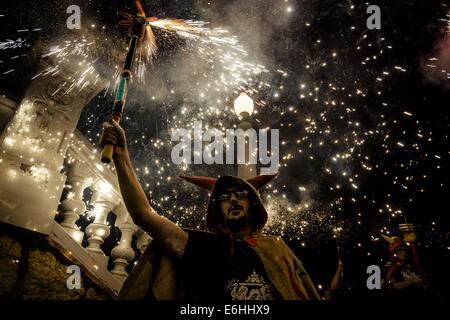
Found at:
(208, 182)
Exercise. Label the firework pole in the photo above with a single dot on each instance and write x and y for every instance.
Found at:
(338, 249)
(137, 30)
(339, 256)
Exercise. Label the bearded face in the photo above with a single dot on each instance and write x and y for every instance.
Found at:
(234, 204)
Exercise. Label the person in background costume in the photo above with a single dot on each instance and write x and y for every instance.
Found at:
(233, 261)
(405, 276)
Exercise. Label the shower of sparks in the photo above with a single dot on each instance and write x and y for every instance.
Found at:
(227, 58)
(146, 52)
(74, 55)
(12, 44)
(216, 45)
(332, 132)
(328, 126)
(447, 20)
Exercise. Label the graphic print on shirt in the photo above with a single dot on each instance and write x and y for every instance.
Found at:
(254, 288)
(409, 274)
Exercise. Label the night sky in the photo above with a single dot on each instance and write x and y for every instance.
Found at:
(363, 114)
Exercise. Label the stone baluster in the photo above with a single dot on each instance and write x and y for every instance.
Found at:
(123, 253)
(103, 202)
(73, 205)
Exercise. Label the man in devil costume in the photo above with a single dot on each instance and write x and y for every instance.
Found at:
(233, 261)
(405, 276)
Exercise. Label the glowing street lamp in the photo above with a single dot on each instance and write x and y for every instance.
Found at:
(243, 106)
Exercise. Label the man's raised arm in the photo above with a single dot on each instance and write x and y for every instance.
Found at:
(166, 233)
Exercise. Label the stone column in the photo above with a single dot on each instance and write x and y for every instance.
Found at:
(98, 230)
(104, 202)
(79, 179)
(247, 170)
(123, 253)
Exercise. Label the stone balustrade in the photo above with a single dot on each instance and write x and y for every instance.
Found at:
(86, 172)
(49, 169)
